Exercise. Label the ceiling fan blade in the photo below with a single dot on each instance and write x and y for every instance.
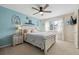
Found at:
(35, 8)
(45, 6)
(36, 13)
(48, 11)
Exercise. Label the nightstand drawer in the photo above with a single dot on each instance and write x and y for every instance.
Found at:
(17, 39)
(20, 39)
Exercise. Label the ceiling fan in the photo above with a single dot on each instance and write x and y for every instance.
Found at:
(41, 9)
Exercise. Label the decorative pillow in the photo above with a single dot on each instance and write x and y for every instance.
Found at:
(34, 30)
(28, 30)
(25, 31)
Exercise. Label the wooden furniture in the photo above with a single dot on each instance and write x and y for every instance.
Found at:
(43, 40)
(17, 38)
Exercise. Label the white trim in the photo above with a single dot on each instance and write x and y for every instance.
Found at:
(5, 46)
(77, 31)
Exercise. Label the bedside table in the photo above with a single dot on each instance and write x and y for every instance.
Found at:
(17, 39)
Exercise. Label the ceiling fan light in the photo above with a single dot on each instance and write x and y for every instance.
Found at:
(41, 13)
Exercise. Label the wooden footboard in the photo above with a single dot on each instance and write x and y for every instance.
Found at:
(49, 43)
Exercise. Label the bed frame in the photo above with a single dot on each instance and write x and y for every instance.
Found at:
(48, 44)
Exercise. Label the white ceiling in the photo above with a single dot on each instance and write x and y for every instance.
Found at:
(57, 9)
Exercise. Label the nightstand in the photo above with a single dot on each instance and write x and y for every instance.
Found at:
(17, 39)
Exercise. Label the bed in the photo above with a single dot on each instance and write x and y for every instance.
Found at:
(43, 40)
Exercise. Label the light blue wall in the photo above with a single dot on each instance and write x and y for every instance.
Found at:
(7, 28)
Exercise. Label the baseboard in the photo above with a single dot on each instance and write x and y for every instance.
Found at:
(5, 46)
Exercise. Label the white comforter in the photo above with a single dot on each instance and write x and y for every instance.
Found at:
(38, 39)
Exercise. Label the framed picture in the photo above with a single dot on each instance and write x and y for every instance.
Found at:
(16, 20)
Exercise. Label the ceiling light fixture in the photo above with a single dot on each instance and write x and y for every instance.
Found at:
(41, 10)
(41, 13)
